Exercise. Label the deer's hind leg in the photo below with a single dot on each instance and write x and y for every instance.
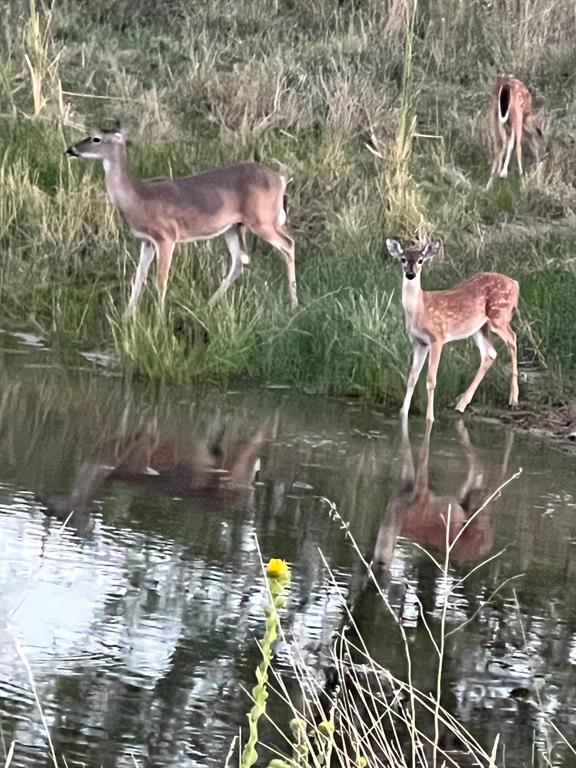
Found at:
(499, 148)
(518, 140)
(508, 151)
(487, 356)
(276, 235)
(507, 335)
(236, 246)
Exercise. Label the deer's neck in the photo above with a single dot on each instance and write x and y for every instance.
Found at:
(412, 300)
(119, 181)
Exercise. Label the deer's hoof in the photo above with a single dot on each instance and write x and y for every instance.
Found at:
(460, 405)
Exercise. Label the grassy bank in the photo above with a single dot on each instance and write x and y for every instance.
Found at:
(375, 110)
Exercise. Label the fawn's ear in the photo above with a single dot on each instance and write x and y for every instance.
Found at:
(431, 249)
(394, 248)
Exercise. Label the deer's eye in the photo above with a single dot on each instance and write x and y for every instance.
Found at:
(403, 259)
(420, 261)
(96, 140)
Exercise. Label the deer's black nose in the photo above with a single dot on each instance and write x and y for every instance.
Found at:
(72, 152)
(410, 275)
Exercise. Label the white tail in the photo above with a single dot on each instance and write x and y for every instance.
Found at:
(483, 303)
(163, 212)
(503, 117)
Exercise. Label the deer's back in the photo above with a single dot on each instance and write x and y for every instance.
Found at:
(484, 288)
(208, 189)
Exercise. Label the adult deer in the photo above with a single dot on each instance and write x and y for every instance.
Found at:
(219, 472)
(163, 212)
(511, 121)
(483, 303)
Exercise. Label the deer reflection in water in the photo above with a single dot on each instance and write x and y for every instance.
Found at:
(417, 513)
(358, 686)
(210, 468)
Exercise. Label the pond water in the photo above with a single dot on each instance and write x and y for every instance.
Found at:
(138, 614)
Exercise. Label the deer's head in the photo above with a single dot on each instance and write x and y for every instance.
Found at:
(413, 258)
(101, 145)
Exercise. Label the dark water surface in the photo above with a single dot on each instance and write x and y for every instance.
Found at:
(139, 617)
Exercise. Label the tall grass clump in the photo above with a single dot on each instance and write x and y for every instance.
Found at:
(42, 56)
(401, 194)
(375, 112)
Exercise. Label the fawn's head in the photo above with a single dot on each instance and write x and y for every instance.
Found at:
(413, 258)
(101, 145)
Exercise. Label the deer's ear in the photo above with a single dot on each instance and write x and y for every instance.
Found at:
(431, 249)
(118, 129)
(394, 248)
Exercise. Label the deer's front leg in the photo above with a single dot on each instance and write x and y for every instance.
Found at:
(147, 250)
(164, 259)
(433, 362)
(420, 353)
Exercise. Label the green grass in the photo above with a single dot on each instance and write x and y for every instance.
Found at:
(382, 129)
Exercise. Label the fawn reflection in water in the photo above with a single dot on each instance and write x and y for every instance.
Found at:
(419, 514)
(401, 592)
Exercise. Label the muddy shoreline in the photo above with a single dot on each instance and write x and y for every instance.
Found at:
(555, 423)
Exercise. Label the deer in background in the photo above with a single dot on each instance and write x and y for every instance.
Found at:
(164, 212)
(483, 303)
(511, 121)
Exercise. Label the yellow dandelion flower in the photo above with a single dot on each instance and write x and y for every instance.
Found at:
(277, 569)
